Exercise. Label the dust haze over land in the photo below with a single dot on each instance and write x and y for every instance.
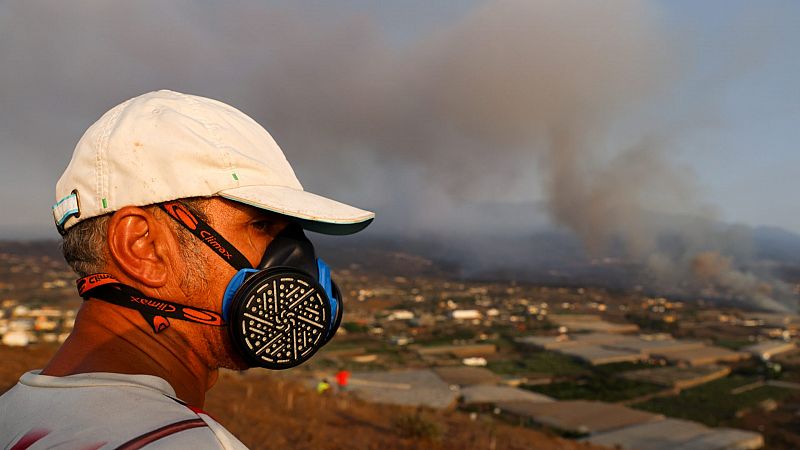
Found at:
(563, 98)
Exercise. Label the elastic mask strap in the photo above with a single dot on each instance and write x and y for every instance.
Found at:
(205, 233)
(103, 286)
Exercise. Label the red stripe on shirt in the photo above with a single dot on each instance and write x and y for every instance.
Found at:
(30, 438)
(166, 430)
(95, 446)
(198, 411)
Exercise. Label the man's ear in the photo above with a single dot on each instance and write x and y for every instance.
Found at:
(140, 245)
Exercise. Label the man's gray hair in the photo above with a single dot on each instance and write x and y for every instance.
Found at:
(84, 245)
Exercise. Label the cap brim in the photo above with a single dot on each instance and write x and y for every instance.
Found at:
(313, 212)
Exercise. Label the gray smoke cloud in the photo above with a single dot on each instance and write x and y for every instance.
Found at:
(555, 96)
(715, 261)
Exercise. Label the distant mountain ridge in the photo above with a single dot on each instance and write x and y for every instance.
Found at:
(43, 247)
(545, 254)
(777, 244)
(539, 255)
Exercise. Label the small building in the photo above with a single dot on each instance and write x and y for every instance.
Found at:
(25, 324)
(679, 377)
(587, 322)
(650, 346)
(670, 434)
(400, 340)
(772, 319)
(17, 338)
(606, 348)
(466, 314)
(597, 355)
(474, 361)
(459, 351)
(406, 387)
(488, 395)
(46, 311)
(768, 349)
(542, 342)
(400, 314)
(573, 340)
(577, 416)
(701, 355)
(343, 352)
(465, 376)
(44, 323)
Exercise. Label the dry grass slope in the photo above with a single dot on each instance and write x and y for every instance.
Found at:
(270, 412)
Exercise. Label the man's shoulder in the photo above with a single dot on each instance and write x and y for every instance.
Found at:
(107, 396)
(104, 408)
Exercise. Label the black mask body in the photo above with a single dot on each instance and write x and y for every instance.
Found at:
(278, 314)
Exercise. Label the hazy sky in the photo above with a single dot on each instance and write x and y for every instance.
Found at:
(418, 109)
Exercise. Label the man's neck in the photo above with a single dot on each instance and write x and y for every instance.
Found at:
(109, 338)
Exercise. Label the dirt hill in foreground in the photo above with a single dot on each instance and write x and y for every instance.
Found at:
(269, 412)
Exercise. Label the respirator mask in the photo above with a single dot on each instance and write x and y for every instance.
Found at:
(278, 314)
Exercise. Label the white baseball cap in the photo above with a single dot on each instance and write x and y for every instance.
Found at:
(165, 145)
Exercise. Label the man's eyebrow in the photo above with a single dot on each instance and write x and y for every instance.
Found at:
(271, 218)
(266, 216)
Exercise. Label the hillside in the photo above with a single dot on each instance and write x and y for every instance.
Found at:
(268, 412)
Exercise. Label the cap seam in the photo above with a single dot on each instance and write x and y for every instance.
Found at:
(97, 166)
(102, 151)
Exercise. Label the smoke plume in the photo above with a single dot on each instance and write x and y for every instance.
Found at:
(567, 100)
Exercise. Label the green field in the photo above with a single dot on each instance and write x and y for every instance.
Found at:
(733, 344)
(539, 363)
(713, 403)
(596, 387)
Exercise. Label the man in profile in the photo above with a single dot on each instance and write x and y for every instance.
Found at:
(179, 213)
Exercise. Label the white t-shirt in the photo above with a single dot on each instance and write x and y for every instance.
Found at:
(101, 410)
